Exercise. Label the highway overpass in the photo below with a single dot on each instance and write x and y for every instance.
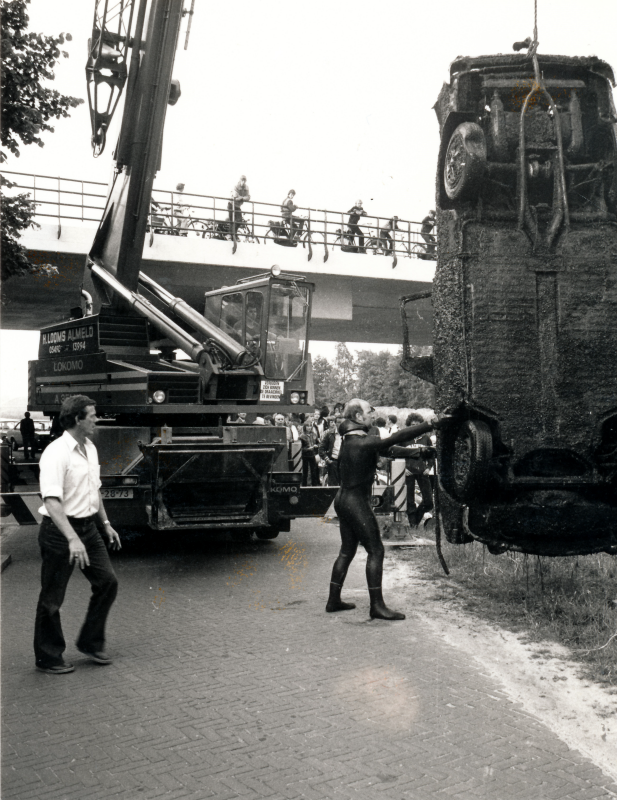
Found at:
(356, 295)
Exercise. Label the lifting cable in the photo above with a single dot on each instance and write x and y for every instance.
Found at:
(539, 86)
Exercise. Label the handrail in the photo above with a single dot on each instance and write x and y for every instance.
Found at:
(215, 217)
(52, 177)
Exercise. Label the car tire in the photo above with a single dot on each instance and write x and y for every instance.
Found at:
(471, 463)
(14, 445)
(465, 162)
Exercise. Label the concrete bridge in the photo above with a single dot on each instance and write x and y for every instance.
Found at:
(356, 294)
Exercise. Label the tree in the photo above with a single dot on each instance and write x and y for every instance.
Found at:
(28, 59)
(27, 106)
(17, 213)
(335, 382)
(376, 377)
(322, 379)
(344, 378)
(409, 391)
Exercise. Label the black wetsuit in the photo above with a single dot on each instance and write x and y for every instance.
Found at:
(358, 525)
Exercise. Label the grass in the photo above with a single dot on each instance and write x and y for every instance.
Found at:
(570, 600)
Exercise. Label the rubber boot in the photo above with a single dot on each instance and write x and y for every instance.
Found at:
(379, 610)
(334, 601)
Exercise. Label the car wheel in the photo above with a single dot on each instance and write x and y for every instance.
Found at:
(14, 445)
(465, 162)
(473, 450)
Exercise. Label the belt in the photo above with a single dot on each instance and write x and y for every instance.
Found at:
(76, 522)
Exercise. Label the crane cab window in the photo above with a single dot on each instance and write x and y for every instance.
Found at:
(253, 319)
(287, 325)
(231, 315)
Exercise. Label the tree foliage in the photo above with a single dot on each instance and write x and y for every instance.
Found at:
(322, 379)
(28, 59)
(376, 377)
(17, 213)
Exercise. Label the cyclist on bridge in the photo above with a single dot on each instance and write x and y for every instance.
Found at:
(239, 194)
(287, 209)
(428, 223)
(355, 212)
(389, 227)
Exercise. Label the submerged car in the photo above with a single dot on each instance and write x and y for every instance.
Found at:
(525, 301)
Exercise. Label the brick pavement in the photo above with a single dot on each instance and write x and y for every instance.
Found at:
(230, 681)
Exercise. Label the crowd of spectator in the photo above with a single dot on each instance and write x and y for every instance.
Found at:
(318, 434)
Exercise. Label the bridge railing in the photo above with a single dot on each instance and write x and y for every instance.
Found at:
(212, 217)
(175, 213)
(59, 198)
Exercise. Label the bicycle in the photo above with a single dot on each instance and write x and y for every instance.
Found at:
(280, 231)
(423, 250)
(221, 229)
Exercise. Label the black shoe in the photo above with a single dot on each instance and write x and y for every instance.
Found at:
(56, 669)
(98, 656)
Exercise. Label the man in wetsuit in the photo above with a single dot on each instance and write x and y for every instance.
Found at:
(358, 525)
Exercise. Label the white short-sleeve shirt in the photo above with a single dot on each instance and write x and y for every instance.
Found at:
(70, 476)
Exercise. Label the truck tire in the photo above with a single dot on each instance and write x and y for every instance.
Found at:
(267, 533)
(473, 450)
(6, 482)
(465, 162)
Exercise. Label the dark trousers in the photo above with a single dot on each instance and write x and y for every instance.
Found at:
(56, 570)
(355, 229)
(415, 513)
(310, 463)
(430, 242)
(235, 217)
(29, 447)
(385, 235)
(333, 476)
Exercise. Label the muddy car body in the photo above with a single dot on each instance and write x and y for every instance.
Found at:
(525, 304)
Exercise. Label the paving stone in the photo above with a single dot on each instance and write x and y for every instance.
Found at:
(228, 691)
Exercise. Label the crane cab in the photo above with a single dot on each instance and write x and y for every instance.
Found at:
(270, 316)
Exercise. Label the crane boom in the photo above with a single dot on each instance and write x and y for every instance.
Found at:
(118, 244)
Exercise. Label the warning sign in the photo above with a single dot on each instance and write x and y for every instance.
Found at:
(271, 391)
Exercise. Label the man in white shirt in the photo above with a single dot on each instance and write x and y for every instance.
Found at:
(70, 487)
(392, 423)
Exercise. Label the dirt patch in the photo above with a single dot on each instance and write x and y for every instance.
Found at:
(539, 675)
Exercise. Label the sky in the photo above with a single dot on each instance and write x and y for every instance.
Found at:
(332, 98)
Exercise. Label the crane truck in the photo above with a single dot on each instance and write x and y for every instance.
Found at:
(169, 460)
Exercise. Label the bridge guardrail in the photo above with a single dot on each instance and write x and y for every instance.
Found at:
(211, 217)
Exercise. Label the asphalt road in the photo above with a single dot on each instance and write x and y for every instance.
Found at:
(230, 681)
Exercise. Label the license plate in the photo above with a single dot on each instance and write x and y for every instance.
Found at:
(117, 494)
